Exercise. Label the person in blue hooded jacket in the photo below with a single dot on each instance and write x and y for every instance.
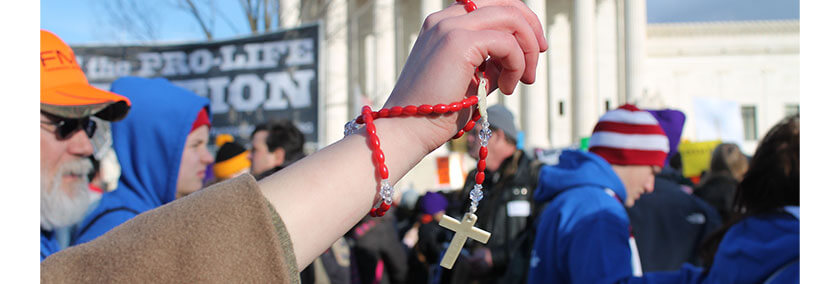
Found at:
(162, 149)
(584, 234)
(761, 244)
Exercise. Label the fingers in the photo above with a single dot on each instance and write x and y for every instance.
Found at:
(457, 9)
(501, 46)
(502, 18)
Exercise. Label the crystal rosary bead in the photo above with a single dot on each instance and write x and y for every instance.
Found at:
(350, 127)
(386, 191)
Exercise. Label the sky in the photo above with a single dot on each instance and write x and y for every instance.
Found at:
(82, 21)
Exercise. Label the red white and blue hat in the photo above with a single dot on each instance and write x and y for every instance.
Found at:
(629, 136)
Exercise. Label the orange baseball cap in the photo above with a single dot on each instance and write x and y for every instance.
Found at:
(65, 90)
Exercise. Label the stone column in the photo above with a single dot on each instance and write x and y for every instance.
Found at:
(584, 111)
(336, 86)
(535, 96)
(560, 87)
(290, 13)
(386, 55)
(635, 34)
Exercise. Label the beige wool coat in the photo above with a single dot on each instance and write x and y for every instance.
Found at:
(226, 233)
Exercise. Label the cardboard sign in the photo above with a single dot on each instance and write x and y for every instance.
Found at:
(696, 156)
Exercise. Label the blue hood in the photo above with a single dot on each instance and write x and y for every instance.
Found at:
(577, 169)
(755, 248)
(149, 143)
(759, 249)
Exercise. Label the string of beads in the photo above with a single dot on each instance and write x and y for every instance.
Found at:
(386, 190)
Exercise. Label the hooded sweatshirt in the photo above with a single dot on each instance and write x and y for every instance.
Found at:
(583, 232)
(149, 143)
(760, 249)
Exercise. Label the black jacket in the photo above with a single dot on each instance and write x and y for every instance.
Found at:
(719, 191)
(669, 225)
(374, 242)
(509, 188)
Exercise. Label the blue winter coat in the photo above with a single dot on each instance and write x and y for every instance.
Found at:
(759, 249)
(149, 143)
(49, 245)
(583, 233)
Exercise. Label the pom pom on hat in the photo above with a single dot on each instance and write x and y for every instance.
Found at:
(223, 138)
(629, 136)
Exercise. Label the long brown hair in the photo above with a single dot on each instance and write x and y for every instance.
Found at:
(771, 182)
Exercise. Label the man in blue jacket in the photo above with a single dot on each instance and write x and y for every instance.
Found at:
(584, 234)
(67, 103)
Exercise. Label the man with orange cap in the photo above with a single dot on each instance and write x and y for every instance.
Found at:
(67, 103)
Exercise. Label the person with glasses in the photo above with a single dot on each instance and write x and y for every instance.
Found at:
(242, 230)
(161, 148)
(68, 102)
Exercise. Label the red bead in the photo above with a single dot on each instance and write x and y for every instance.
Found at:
(383, 171)
(479, 178)
(473, 100)
(471, 6)
(396, 111)
(482, 153)
(360, 120)
(374, 141)
(455, 107)
(465, 104)
(384, 112)
(384, 206)
(424, 109)
(372, 212)
(476, 115)
(375, 114)
(365, 109)
(371, 129)
(460, 133)
(380, 213)
(410, 110)
(482, 164)
(378, 156)
(441, 108)
(469, 126)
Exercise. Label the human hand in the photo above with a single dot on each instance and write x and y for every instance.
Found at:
(451, 45)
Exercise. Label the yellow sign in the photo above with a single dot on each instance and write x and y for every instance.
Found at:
(696, 156)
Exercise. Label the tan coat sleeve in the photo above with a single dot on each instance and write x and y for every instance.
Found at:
(225, 233)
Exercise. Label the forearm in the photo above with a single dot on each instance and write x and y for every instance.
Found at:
(341, 179)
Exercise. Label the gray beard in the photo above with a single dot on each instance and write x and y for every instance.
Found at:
(58, 209)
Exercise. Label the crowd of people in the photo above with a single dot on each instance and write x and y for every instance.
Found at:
(262, 210)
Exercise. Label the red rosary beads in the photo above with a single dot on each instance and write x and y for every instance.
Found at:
(368, 116)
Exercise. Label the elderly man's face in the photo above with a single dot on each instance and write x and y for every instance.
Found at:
(65, 196)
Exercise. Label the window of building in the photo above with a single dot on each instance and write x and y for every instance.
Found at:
(748, 115)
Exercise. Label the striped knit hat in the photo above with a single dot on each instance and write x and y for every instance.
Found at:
(629, 136)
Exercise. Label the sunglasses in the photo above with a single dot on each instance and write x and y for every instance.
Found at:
(65, 127)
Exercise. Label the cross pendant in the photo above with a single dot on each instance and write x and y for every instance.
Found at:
(463, 230)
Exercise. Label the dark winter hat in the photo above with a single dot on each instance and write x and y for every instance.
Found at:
(672, 122)
(432, 203)
(231, 159)
(502, 118)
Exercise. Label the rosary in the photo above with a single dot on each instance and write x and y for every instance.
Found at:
(465, 228)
